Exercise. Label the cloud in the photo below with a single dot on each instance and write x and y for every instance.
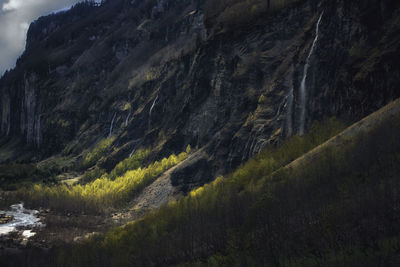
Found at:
(15, 17)
(18, 4)
(12, 5)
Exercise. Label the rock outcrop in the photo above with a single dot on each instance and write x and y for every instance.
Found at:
(162, 78)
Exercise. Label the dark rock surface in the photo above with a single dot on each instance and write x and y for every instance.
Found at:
(169, 81)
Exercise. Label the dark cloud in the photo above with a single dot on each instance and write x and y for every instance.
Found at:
(15, 17)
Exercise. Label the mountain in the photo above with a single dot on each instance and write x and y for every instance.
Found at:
(168, 74)
(104, 90)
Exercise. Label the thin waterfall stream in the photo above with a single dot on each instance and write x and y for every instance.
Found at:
(112, 124)
(127, 118)
(151, 110)
(303, 89)
(289, 115)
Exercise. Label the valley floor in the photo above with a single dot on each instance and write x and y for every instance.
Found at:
(68, 228)
(328, 197)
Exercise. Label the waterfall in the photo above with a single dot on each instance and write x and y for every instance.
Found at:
(280, 107)
(30, 105)
(303, 89)
(127, 118)
(134, 147)
(111, 125)
(8, 126)
(38, 131)
(290, 112)
(166, 35)
(6, 115)
(8, 123)
(289, 104)
(151, 110)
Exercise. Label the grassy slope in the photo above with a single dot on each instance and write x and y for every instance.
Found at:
(338, 208)
(107, 190)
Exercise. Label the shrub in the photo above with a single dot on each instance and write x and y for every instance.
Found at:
(92, 174)
(338, 209)
(102, 193)
(98, 152)
(131, 163)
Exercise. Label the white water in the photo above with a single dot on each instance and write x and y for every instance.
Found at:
(38, 131)
(303, 89)
(151, 110)
(112, 124)
(134, 148)
(127, 118)
(28, 233)
(21, 218)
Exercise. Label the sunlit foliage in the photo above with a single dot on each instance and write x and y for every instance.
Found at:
(324, 212)
(92, 174)
(99, 151)
(273, 158)
(337, 209)
(130, 163)
(107, 191)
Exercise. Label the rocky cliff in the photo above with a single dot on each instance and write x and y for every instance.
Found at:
(166, 74)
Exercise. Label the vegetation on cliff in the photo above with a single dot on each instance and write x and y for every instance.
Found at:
(228, 15)
(337, 209)
(109, 190)
(192, 75)
(266, 214)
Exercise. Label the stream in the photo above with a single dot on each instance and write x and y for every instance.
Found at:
(22, 219)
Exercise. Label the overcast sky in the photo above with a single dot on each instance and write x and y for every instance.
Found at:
(15, 17)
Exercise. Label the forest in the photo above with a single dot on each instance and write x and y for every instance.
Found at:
(100, 190)
(336, 209)
(204, 133)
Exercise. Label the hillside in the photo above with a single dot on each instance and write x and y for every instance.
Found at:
(204, 133)
(162, 76)
(335, 205)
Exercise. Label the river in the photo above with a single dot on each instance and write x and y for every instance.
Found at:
(23, 219)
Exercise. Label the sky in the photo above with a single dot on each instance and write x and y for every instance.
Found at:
(15, 17)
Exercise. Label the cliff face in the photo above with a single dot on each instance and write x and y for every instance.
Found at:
(154, 75)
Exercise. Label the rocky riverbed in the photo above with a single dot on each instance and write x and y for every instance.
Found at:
(18, 225)
(4, 218)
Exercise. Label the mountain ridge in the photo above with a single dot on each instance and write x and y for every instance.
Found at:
(163, 75)
(205, 133)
